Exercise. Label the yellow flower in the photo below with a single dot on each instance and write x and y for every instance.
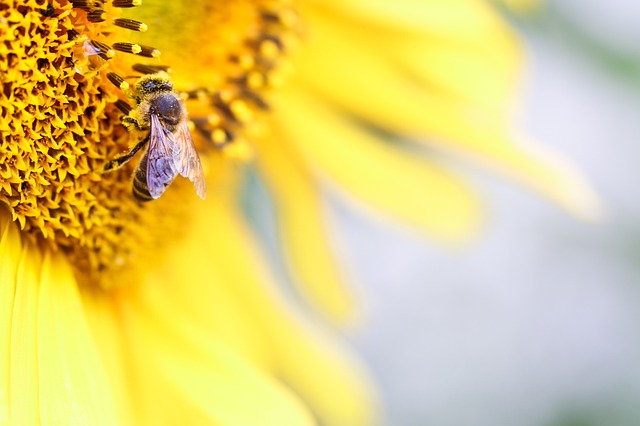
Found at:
(117, 311)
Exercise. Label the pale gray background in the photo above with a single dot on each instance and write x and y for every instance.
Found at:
(538, 323)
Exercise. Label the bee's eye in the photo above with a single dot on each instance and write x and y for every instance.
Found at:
(168, 107)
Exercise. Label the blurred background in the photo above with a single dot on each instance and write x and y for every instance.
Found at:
(537, 323)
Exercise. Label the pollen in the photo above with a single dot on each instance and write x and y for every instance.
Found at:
(67, 69)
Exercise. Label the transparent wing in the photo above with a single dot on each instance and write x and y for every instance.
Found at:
(189, 164)
(161, 159)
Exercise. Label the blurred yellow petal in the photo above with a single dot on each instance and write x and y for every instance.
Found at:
(394, 182)
(335, 385)
(532, 164)
(102, 315)
(209, 374)
(484, 76)
(399, 104)
(10, 250)
(194, 266)
(435, 118)
(335, 389)
(303, 230)
(73, 385)
(23, 371)
(51, 364)
(481, 68)
(458, 19)
(322, 373)
(367, 86)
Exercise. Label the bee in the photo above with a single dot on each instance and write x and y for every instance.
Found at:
(160, 111)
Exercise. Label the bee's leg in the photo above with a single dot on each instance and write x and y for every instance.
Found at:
(120, 161)
(128, 121)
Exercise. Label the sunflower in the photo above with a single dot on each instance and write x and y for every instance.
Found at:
(119, 311)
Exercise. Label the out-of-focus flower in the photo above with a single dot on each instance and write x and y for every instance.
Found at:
(115, 311)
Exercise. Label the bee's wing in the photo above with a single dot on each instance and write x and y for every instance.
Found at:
(161, 159)
(189, 164)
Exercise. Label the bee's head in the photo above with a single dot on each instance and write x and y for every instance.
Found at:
(167, 107)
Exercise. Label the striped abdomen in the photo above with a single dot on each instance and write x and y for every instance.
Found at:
(140, 188)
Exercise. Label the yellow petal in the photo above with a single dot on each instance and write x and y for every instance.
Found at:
(208, 374)
(24, 375)
(458, 19)
(325, 376)
(73, 385)
(383, 176)
(193, 265)
(482, 67)
(303, 230)
(333, 386)
(376, 91)
(485, 77)
(374, 88)
(10, 249)
(101, 310)
(203, 351)
(535, 166)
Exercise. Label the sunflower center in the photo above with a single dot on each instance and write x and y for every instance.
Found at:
(65, 69)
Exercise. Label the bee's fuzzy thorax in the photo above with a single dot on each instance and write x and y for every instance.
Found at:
(153, 84)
